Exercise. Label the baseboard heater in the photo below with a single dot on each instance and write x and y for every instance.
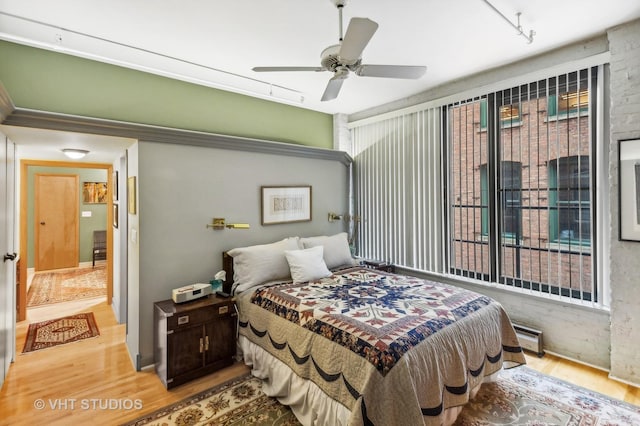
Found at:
(529, 338)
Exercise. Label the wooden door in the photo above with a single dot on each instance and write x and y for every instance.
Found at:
(56, 221)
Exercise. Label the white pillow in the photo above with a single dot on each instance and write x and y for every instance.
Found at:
(255, 265)
(336, 249)
(307, 265)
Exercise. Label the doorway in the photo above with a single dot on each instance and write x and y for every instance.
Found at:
(29, 224)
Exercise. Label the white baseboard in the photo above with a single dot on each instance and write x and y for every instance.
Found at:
(577, 361)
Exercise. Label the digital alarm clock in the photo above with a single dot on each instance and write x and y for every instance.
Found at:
(190, 292)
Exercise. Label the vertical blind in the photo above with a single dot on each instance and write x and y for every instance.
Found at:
(398, 190)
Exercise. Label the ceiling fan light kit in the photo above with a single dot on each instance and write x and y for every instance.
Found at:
(346, 57)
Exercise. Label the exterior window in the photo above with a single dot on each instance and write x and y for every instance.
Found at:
(520, 190)
(510, 190)
(509, 115)
(569, 198)
(510, 176)
(568, 103)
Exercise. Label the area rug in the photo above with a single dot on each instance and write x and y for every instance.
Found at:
(60, 331)
(237, 402)
(521, 396)
(68, 284)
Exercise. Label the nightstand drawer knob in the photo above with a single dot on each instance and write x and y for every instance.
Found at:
(183, 319)
(223, 310)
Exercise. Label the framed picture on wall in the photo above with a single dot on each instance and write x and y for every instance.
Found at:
(286, 204)
(115, 215)
(94, 192)
(131, 194)
(629, 187)
(114, 185)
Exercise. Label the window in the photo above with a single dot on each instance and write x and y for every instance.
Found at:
(569, 198)
(509, 197)
(568, 103)
(510, 186)
(509, 115)
(520, 190)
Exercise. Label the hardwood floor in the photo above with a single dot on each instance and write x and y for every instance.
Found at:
(73, 380)
(100, 369)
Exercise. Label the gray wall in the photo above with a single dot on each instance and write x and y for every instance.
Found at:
(624, 44)
(181, 188)
(603, 338)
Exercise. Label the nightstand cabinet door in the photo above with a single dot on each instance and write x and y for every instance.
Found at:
(221, 339)
(184, 353)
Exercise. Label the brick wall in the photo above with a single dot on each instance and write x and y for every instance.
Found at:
(535, 140)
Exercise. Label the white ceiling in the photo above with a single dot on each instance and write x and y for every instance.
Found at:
(48, 145)
(216, 43)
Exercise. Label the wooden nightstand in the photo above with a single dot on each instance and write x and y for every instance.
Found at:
(378, 265)
(193, 339)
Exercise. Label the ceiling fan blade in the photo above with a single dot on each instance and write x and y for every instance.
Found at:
(333, 88)
(272, 69)
(358, 34)
(391, 71)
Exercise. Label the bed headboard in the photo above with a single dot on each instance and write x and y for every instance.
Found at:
(227, 265)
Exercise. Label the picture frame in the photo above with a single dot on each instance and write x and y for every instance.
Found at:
(285, 204)
(115, 215)
(114, 185)
(629, 189)
(94, 192)
(131, 195)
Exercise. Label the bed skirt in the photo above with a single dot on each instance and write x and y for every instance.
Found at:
(307, 401)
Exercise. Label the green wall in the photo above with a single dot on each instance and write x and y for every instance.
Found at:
(51, 81)
(97, 221)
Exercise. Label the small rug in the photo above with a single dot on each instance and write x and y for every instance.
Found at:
(68, 284)
(59, 331)
(521, 396)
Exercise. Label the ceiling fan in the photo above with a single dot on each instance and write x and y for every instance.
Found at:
(345, 57)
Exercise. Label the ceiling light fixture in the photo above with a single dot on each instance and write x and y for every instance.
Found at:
(75, 154)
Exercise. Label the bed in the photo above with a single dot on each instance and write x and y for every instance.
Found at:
(344, 344)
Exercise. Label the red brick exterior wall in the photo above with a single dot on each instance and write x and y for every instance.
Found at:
(535, 141)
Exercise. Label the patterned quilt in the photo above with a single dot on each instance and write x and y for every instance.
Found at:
(392, 349)
(379, 317)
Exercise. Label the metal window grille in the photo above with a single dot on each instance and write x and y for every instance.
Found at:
(521, 186)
